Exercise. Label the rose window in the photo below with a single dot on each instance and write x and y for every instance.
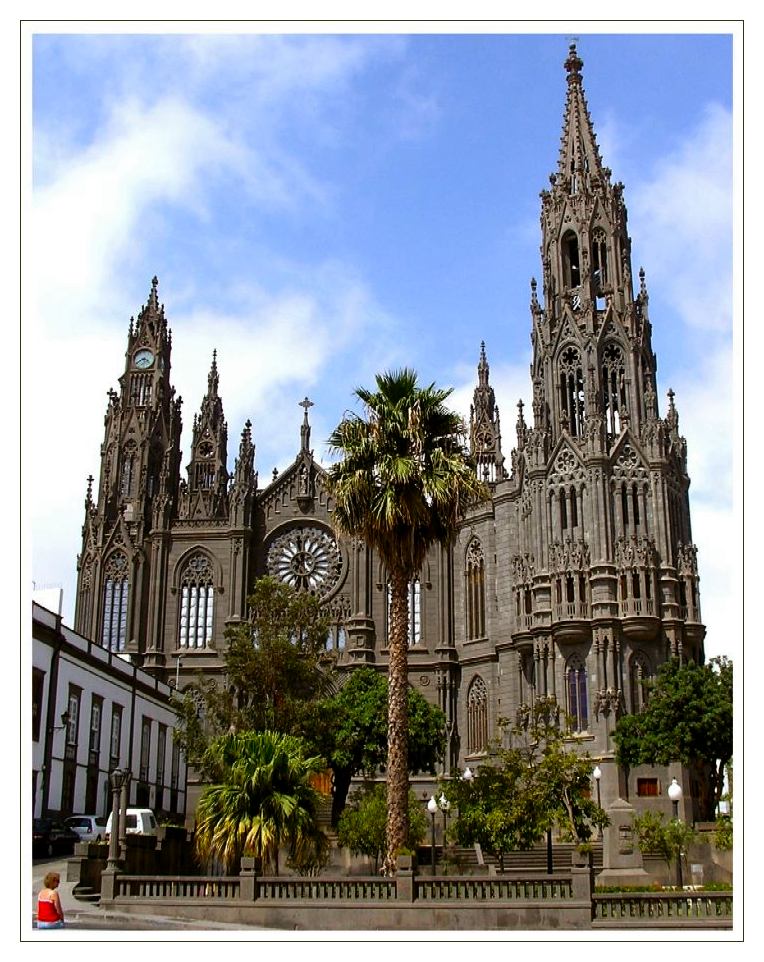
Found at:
(307, 559)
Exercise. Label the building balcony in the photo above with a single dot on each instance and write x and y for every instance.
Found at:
(571, 621)
(637, 608)
(640, 618)
(571, 611)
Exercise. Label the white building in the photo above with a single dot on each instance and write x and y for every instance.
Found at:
(92, 712)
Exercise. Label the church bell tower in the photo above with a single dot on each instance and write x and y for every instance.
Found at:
(137, 488)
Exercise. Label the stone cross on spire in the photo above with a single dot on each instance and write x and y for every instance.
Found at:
(305, 429)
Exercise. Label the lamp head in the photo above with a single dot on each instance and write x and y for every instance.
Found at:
(444, 802)
(467, 776)
(597, 773)
(432, 805)
(674, 790)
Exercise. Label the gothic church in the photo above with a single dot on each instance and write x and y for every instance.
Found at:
(576, 580)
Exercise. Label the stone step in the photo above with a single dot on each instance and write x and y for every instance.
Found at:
(532, 860)
(84, 893)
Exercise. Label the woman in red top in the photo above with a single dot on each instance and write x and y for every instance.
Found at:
(50, 915)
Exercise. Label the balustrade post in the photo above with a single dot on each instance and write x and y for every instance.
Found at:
(248, 879)
(582, 883)
(404, 879)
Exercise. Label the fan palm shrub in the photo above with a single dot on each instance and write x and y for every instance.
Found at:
(263, 802)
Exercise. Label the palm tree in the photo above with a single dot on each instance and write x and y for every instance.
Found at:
(402, 485)
(264, 799)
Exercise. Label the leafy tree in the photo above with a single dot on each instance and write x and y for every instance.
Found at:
(402, 485)
(350, 731)
(363, 825)
(521, 792)
(263, 801)
(276, 664)
(687, 719)
(669, 839)
(204, 712)
(723, 833)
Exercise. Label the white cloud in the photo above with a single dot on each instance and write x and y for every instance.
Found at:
(682, 216)
(89, 219)
(704, 401)
(510, 382)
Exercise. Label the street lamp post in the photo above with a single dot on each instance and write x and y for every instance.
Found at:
(432, 807)
(675, 794)
(597, 775)
(120, 779)
(445, 805)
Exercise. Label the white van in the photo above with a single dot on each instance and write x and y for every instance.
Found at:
(140, 821)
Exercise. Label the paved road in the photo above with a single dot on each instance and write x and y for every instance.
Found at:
(88, 917)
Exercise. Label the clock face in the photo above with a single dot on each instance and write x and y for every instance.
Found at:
(143, 358)
(307, 559)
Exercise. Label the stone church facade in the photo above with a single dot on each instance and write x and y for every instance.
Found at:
(575, 580)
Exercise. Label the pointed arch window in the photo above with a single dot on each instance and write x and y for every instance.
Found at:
(204, 475)
(639, 677)
(475, 590)
(599, 259)
(578, 694)
(141, 389)
(414, 609)
(527, 677)
(477, 717)
(336, 638)
(572, 390)
(197, 603)
(570, 260)
(613, 388)
(128, 476)
(115, 597)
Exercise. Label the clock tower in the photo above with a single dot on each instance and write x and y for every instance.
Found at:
(137, 487)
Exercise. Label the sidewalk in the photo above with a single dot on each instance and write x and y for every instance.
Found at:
(89, 916)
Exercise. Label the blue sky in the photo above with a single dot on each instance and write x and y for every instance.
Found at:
(321, 207)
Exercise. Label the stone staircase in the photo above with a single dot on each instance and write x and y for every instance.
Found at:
(533, 861)
(84, 893)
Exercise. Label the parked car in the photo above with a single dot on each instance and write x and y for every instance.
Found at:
(51, 836)
(90, 828)
(140, 821)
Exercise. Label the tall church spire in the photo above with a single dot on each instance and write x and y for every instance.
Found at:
(592, 338)
(205, 495)
(485, 430)
(579, 162)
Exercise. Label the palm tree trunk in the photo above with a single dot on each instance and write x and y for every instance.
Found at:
(397, 723)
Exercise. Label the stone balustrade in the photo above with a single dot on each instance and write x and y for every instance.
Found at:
(409, 901)
(662, 908)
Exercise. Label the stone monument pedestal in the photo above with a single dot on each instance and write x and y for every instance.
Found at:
(621, 858)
